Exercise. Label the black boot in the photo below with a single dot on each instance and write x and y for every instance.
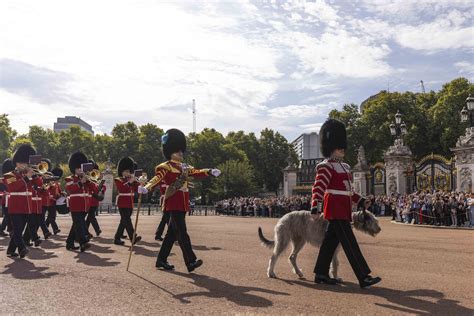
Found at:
(12, 254)
(324, 279)
(47, 235)
(159, 238)
(137, 239)
(119, 242)
(71, 247)
(164, 264)
(57, 231)
(193, 265)
(37, 242)
(369, 281)
(23, 252)
(85, 246)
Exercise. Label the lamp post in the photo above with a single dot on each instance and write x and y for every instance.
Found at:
(467, 113)
(399, 128)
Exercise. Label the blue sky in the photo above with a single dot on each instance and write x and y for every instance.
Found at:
(249, 65)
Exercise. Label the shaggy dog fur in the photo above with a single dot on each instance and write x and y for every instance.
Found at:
(300, 228)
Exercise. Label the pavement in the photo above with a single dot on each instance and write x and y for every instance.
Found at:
(424, 271)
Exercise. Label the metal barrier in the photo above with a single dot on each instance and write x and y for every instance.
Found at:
(155, 209)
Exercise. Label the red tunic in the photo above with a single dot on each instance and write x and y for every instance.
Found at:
(126, 192)
(4, 194)
(36, 201)
(79, 194)
(20, 192)
(166, 174)
(45, 195)
(95, 190)
(333, 185)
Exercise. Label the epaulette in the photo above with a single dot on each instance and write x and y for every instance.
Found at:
(324, 163)
(163, 165)
(9, 177)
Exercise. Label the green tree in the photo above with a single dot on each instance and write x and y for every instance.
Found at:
(46, 142)
(7, 135)
(74, 139)
(445, 114)
(248, 143)
(103, 146)
(126, 140)
(275, 155)
(149, 149)
(236, 180)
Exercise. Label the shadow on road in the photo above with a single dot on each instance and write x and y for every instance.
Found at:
(409, 301)
(216, 288)
(40, 254)
(91, 259)
(205, 248)
(26, 270)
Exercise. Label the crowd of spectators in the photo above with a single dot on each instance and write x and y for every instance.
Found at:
(453, 209)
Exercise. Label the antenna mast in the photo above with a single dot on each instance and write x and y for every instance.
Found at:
(194, 116)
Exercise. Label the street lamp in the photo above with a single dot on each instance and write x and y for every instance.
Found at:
(467, 113)
(399, 128)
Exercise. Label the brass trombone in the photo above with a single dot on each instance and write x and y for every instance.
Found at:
(93, 175)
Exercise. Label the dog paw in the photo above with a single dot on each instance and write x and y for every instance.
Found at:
(271, 275)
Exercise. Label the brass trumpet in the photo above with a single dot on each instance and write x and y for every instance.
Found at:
(41, 169)
(93, 175)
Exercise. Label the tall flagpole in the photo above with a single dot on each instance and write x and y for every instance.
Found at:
(194, 116)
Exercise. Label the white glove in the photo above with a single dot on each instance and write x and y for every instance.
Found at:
(215, 172)
(142, 190)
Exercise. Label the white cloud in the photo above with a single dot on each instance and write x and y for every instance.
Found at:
(443, 33)
(299, 111)
(338, 53)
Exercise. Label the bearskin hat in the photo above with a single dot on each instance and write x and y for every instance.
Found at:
(76, 160)
(96, 166)
(332, 136)
(48, 162)
(173, 141)
(57, 172)
(23, 153)
(126, 163)
(7, 166)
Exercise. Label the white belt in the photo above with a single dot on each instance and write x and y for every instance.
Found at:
(79, 195)
(36, 198)
(20, 193)
(126, 194)
(339, 192)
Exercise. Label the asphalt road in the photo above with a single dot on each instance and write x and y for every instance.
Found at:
(424, 271)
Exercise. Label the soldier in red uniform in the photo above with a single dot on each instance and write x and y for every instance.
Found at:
(33, 222)
(55, 192)
(78, 188)
(46, 202)
(7, 167)
(97, 195)
(127, 185)
(333, 191)
(20, 187)
(174, 175)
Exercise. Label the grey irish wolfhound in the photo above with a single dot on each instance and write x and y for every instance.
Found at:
(300, 228)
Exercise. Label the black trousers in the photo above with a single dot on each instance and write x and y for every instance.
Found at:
(51, 219)
(340, 231)
(31, 231)
(125, 223)
(6, 219)
(78, 229)
(91, 219)
(16, 241)
(161, 227)
(42, 220)
(177, 231)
